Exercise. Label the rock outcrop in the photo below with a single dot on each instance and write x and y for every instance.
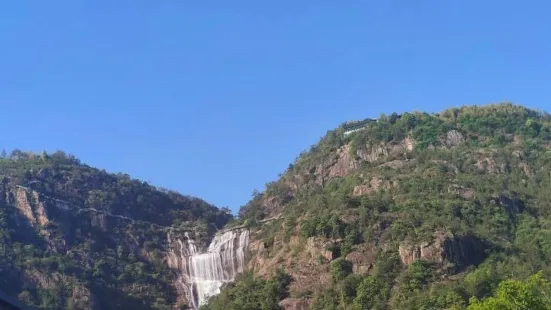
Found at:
(362, 260)
(379, 151)
(489, 165)
(23, 204)
(445, 247)
(318, 248)
(461, 191)
(342, 163)
(453, 138)
(339, 165)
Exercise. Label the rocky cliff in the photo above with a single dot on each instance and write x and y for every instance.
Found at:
(202, 272)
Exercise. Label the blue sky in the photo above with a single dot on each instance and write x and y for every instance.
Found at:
(215, 98)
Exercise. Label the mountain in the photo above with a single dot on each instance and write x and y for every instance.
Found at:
(407, 211)
(75, 237)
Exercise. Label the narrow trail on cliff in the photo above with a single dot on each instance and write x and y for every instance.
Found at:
(132, 220)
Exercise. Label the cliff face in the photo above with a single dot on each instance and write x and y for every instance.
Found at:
(444, 248)
(203, 271)
(408, 209)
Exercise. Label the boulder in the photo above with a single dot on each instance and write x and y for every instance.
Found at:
(452, 138)
(362, 261)
(461, 251)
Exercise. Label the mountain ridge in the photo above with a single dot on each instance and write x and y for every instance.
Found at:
(76, 237)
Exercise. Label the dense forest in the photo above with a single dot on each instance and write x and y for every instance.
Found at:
(415, 211)
(75, 237)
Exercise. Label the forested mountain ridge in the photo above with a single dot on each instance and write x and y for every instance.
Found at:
(75, 237)
(411, 211)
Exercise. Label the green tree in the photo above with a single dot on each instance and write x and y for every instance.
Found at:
(367, 293)
(532, 294)
(340, 268)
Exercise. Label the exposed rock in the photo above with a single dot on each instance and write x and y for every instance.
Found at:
(22, 203)
(445, 247)
(382, 150)
(99, 220)
(41, 214)
(272, 205)
(43, 280)
(376, 183)
(338, 166)
(519, 154)
(489, 165)
(410, 253)
(453, 138)
(34, 210)
(526, 169)
(344, 163)
(32, 207)
(295, 304)
(317, 248)
(522, 165)
(360, 190)
(409, 144)
(307, 261)
(362, 261)
(461, 191)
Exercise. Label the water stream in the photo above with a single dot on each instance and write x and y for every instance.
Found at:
(204, 272)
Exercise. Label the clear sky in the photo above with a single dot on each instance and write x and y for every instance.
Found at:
(215, 98)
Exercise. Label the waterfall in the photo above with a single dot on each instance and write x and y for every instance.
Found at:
(202, 274)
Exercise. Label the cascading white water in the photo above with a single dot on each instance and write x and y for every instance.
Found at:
(203, 274)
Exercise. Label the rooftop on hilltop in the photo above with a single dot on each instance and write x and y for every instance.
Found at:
(353, 126)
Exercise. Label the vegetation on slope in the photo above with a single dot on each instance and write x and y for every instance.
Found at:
(252, 293)
(477, 177)
(106, 251)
